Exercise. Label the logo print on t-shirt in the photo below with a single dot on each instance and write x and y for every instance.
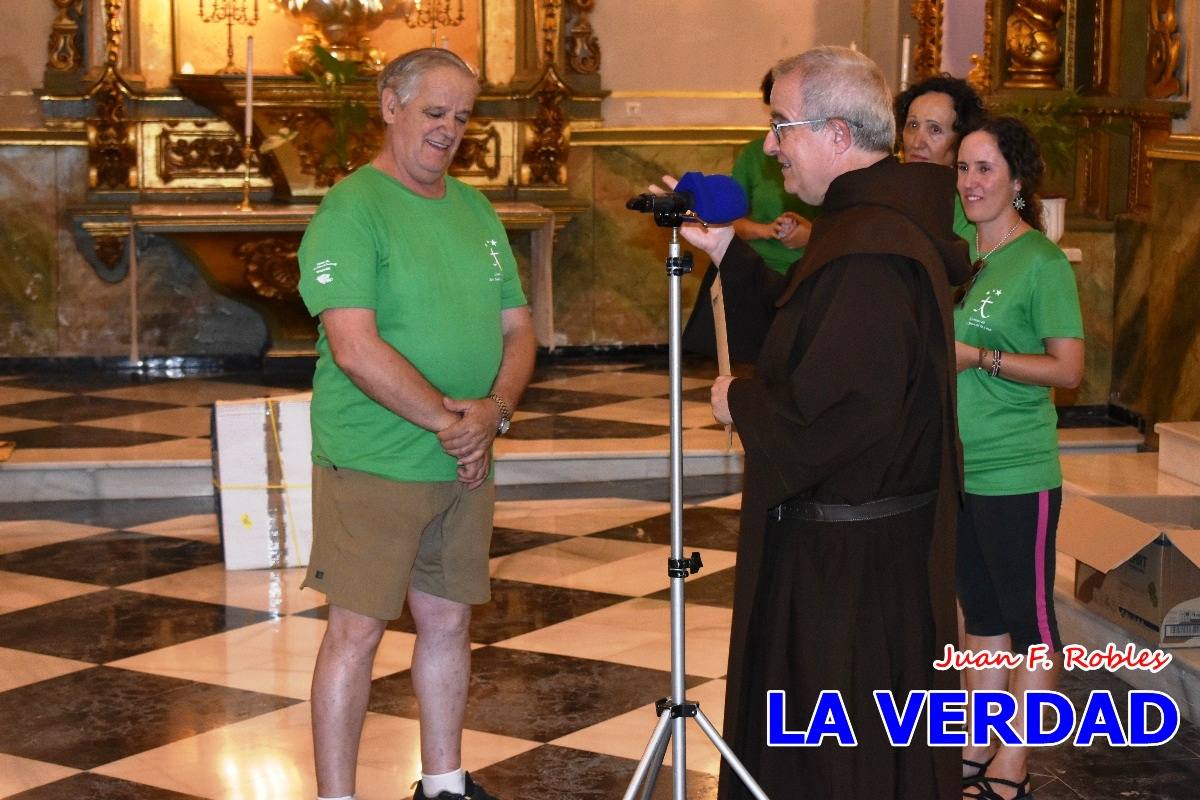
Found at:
(324, 271)
(491, 245)
(990, 297)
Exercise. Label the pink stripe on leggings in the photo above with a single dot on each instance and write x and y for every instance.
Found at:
(1039, 560)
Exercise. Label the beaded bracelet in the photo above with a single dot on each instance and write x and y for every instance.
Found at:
(995, 370)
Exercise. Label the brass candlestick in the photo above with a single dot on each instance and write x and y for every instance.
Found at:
(247, 153)
(435, 14)
(231, 12)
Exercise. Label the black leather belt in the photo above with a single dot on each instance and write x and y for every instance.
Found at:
(812, 511)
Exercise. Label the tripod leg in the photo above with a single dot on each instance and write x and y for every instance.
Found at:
(657, 746)
(734, 763)
(656, 765)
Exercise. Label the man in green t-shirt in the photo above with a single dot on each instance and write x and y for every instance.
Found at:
(425, 346)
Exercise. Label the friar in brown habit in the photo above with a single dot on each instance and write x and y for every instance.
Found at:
(853, 471)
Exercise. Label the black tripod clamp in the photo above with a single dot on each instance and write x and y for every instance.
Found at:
(680, 265)
(682, 567)
(679, 261)
(685, 709)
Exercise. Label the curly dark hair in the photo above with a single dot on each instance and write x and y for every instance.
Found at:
(768, 83)
(1024, 157)
(968, 107)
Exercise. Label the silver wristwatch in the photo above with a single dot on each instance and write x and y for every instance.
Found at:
(505, 414)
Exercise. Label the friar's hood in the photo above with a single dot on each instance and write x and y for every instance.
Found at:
(922, 192)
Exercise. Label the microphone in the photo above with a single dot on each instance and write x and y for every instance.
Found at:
(716, 199)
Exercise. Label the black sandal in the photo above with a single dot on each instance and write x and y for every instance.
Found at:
(979, 767)
(984, 790)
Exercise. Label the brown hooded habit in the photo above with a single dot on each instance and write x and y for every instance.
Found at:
(852, 401)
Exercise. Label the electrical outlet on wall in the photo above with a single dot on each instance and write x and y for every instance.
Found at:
(633, 108)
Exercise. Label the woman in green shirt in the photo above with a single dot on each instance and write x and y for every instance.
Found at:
(932, 117)
(1018, 333)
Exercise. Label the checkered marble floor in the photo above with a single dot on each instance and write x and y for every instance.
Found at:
(133, 666)
(570, 406)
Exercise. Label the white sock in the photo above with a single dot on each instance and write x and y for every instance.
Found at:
(454, 782)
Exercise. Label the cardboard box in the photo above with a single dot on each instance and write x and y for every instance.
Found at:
(1138, 562)
(262, 471)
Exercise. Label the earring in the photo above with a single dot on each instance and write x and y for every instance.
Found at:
(1018, 202)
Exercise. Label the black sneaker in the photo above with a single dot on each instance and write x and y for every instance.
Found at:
(473, 792)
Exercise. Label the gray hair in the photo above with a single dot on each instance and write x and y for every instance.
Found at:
(403, 73)
(840, 83)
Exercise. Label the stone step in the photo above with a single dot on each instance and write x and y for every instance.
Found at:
(102, 475)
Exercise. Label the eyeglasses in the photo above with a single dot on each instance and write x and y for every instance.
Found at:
(777, 127)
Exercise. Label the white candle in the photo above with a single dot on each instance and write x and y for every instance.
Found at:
(249, 87)
(906, 43)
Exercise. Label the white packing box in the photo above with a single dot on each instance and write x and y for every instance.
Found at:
(262, 471)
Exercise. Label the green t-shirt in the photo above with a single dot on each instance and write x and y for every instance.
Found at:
(438, 273)
(1026, 293)
(963, 227)
(759, 175)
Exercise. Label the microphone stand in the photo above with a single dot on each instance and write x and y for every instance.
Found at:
(674, 711)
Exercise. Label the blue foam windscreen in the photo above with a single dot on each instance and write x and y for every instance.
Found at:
(716, 198)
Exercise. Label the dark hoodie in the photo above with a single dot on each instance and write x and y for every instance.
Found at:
(852, 398)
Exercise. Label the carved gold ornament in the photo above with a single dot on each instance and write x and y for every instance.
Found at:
(927, 58)
(583, 48)
(341, 27)
(1162, 56)
(271, 266)
(64, 46)
(112, 140)
(189, 155)
(980, 76)
(1034, 51)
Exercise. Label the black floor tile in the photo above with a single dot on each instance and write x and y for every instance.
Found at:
(76, 436)
(1167, 772)
(80, 408)
(84, 381)
(515, 608)
(112, 624)
(711, 589)
(86, 786)
(556, 401)
(556, 772)
(696, 489)
(699, 394)
(506, 541)
(300, 380)
(1086, 417)
(713, 528)
(99, 715)
(112, 559)
(1107, 775)
(537, 696)
(518, 608)
(109, 513)
(554, 371)
(560, 427)
(1047, 788)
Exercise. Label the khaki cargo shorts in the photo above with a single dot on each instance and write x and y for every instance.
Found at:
(374, 537)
